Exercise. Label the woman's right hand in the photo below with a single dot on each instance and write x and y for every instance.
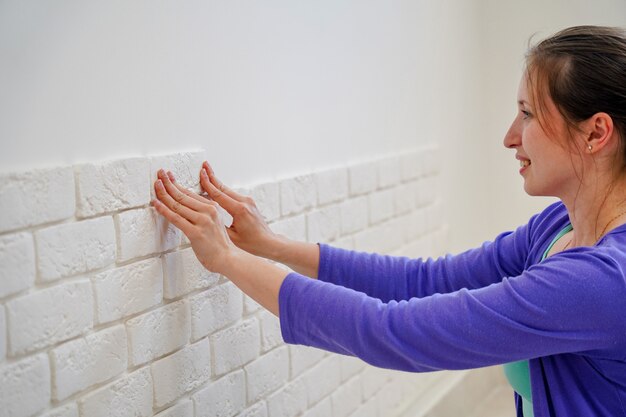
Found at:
(249, 231)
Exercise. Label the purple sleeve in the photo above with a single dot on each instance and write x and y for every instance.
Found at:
(398, 278)
(550, 308)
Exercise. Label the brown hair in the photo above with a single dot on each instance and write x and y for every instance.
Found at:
(583, 70)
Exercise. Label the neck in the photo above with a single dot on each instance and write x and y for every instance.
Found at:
(595, 211)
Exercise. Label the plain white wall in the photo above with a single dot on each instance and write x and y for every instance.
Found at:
(279, 87)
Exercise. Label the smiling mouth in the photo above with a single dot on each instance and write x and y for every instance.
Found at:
(524, 163)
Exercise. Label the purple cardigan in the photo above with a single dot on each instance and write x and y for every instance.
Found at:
(489, 305)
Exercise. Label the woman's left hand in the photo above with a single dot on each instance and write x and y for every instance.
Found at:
(199, 220)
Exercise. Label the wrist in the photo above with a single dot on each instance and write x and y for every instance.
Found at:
(275, 248)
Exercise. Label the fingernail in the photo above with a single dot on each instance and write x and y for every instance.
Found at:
(159, 183)
(204, 173)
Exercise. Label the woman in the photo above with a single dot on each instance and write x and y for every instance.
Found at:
(548, 300)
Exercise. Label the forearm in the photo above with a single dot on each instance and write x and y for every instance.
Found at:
(256, 277)
(302, 257)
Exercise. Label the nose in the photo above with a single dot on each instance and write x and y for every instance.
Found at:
(513, 137)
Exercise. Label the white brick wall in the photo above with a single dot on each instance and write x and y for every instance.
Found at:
(105, 311)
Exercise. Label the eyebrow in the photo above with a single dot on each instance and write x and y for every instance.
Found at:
(522, 102)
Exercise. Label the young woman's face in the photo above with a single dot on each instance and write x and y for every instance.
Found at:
(545, 162)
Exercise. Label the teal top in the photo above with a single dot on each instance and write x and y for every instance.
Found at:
(517, 373)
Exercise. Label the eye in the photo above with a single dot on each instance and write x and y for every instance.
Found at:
(526, 114)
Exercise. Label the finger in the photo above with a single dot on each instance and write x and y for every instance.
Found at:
(179, 196)
(174, 218)
(220, 186)
(224, 200)
(187, 192)
(190, 215)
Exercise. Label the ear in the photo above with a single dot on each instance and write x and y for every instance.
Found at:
(599, 131)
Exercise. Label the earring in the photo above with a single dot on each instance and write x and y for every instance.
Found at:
(590, 147)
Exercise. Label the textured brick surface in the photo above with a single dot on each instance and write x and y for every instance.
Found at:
(3, 333)
(137, 327)
(297, 194)
(36, 197)
(362, 178)
(73, 248)
(70, 410)
(271, 335)
(214, 309)
(184, 273)
(127, 396)
(84, 362)
(158, 332)
(236, 345)
(181, 409)
(181, 372)
(323, 224)
(293, 227)
(267, 199)
(267, 373)
(222, 398)
(127, 290)
(289, 401)
(17, 257)
(332, 185)
(25, 386)
(49, 316)
(144, 232)
(112, 186)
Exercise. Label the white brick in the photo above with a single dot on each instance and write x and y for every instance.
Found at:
(289, 401)
(346, 242)
(369, 409)
(250, 306)
(214, 309)
(128, 290)
(112, 185)
(84, 362)
(25, 387)
(350, 366)
(423, 162)
(17, 257)
(297, 194)
(430, 189)
(354, 215)
(73, 248)
(322, 379)
(332, 185)
(36, 197)
(267, 199)
(185, 166)
(293, 227)
(323, 224)
(381, 205)
(158, 332)
(389, 398)
(409, 166)
(127, 396)
(363, 178)
(235, 346)
(267, 373)
(271, 335)
(433, 160)
(257, 410)
(388, 171)
(181, 409)
(222, 398)
(70, 410)
(369, 240)
(321, 409)
(372, 380)
(184, 273)
(403, 199)
(347, 398)
(49, 316)
(303, 357)
(3, 333)
(144, 232)
(181, 372)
